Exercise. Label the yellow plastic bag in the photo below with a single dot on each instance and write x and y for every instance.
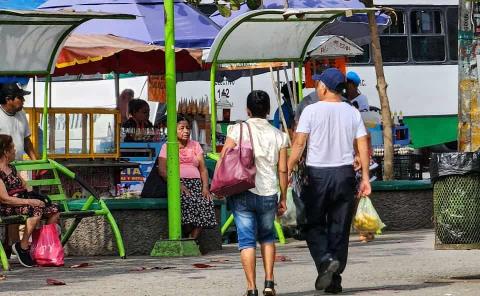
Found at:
(367, 219)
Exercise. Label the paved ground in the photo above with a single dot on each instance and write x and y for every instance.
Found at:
(395, 264)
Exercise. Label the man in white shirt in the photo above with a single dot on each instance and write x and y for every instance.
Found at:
(331, 128)
(13, 122)
(356, 98)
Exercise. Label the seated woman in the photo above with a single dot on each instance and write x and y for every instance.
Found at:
(197, 205)
(139, 112)
(12, 188)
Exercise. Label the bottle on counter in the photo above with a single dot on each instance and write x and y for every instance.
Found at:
(400, 119)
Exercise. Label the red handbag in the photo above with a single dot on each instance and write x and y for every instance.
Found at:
(236, 171)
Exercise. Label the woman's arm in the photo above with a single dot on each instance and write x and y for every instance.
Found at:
(15, 201)
(162, 168)
(283, 180)
(204, 176)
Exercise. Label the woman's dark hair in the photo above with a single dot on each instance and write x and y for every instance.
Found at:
(136, 105)
(6, 143)
(181, 117)
(258, 102)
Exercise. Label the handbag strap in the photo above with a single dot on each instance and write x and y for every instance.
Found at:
(251, 138)
(250, 135)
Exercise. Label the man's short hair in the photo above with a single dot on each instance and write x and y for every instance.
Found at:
(136, 105)
(128, 92)
(258, 102)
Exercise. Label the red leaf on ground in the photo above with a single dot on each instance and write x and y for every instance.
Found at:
(281, 258)
(53, 282)
(138, 269)
(81, 265)
(201, 265)
(3, 277)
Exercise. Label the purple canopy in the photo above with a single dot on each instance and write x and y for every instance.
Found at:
(192, 28)
(354, 28)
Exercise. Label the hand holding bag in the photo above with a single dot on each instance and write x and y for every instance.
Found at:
(236, 171)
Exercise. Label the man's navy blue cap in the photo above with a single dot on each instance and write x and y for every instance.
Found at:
(332, 78)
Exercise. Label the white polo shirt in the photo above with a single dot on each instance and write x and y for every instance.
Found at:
(17, 127)
(332, 128)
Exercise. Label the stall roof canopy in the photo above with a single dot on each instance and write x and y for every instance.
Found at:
(333, 46)
(268, 35)
(30, 40)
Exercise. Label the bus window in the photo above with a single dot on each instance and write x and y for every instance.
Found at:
(452, 30)
(394, 40)
(362, 59)
(428, 35)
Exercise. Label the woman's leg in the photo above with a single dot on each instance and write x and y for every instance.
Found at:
(246, 223)
(195, 232)
(29, 228)
(266, 211)
(268, 256)
(249, 260)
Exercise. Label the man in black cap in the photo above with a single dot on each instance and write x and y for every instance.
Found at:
(332, 128)
(13, 122)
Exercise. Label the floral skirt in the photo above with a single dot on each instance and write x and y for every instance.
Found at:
(197, 210)
(29, 211)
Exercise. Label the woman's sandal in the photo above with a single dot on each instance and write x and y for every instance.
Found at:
(269, 289)
(252, 293)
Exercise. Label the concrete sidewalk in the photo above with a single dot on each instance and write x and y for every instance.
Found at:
(394, 264)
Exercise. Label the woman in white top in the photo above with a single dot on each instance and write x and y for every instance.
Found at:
(254, 210)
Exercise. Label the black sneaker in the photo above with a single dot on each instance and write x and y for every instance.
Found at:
(335, 286)
(252, 293)
(23, 255)
(327, 269)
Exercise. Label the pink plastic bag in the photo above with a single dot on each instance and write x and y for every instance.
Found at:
(46, 249)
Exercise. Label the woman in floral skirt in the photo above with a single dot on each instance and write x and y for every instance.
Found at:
(197, 205)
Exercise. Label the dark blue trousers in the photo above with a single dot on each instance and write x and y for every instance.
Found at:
(329, 202)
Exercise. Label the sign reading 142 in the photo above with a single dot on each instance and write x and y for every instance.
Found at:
(224, 92)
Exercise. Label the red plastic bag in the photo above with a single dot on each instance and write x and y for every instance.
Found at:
(46, 249)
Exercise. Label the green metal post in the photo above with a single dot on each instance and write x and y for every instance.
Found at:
(45, 117)
(173, 169)
(300, 82)
(213, 119)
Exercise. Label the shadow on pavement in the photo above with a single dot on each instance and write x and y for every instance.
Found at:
(365, 290)
(22, 279)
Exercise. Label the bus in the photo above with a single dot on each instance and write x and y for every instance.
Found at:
(420, 55)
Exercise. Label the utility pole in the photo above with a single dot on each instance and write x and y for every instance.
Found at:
(382, 93)
(468, 76)
(175, 245)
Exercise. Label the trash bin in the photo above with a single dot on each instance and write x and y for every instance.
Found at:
(456, 200)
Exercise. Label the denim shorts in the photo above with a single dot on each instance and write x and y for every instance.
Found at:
(254, 217)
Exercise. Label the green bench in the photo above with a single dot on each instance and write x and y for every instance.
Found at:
(92, 206)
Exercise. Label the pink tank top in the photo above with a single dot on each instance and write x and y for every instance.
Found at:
(188, 157)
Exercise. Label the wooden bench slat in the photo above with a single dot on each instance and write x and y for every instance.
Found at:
(33, 167)
(78, 214)
(44, 182)
(17, 219)
(57, 197)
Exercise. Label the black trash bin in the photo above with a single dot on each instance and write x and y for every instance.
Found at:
(456, 200)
